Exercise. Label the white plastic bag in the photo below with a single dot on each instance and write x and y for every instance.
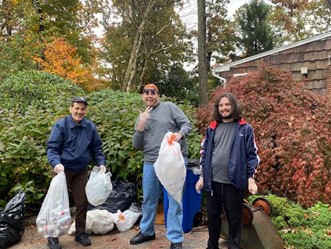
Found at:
(170, 167)
(98, 187)
(124, 221)
(54, 216)
(97, 222)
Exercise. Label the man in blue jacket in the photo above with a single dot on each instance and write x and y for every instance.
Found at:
(73, 144)
(229, 160)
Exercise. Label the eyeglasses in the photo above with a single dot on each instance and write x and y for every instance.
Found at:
(151, 91)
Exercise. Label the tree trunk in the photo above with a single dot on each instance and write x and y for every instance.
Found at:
(202, 66)
(142, 75)
(209, 54)
(131, 68)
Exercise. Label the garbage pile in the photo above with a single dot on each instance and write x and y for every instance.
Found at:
(12, 221)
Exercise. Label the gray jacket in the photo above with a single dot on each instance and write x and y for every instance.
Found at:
(164, 117)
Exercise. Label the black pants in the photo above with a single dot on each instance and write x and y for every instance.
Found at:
(231, 198)
(76, 182)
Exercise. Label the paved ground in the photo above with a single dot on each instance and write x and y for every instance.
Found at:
(196, 239)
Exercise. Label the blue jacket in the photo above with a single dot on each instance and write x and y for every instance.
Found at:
(74, 145)
(243, 156)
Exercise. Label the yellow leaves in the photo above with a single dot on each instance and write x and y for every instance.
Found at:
(60, 58)
(14, 2)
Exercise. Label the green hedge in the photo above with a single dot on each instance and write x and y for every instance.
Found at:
(30, 103)
(37, 89)
(299, 227)
(27, 122)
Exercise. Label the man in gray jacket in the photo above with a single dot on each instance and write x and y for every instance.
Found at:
(151, 126)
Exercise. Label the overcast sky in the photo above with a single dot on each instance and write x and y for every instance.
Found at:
(190, 18)
(235, 4)
(189, 12)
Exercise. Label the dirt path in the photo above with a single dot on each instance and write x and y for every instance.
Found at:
(196, 239)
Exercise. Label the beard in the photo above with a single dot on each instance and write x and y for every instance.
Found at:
(230, 116)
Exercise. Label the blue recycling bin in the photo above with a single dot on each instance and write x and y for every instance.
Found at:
(191, 202)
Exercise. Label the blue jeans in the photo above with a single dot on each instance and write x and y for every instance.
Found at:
(152, 189)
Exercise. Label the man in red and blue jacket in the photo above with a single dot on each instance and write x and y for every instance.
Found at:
(229, 160)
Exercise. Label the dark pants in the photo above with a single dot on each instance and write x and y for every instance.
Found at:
(76, 182)
(232, 199)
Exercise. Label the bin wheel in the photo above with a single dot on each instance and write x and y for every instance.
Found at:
(264, 204)
(247, 217)
(197, 219)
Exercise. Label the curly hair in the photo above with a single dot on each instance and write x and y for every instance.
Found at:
(236, 109)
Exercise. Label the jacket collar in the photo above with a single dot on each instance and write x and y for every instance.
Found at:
(214, 123)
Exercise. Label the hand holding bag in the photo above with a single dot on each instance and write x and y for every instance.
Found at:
(98, 187)
(54, 216)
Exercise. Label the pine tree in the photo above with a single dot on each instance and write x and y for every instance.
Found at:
(256, 34)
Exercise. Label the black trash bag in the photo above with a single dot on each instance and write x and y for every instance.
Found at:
(12, 221)
(121, 197)
(136, 207)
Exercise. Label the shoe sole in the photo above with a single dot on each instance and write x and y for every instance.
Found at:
(137, 243)
(51, 247)
(82, 243)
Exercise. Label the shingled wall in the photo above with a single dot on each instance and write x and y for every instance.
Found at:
(315, 56)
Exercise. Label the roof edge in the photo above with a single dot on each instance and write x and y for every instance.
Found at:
(227, 67)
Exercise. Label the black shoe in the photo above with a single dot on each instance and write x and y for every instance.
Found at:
(53, 243)
(140, 238)
(176, 246)
(83, 239)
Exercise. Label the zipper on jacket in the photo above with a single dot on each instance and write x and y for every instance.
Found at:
(212, 192)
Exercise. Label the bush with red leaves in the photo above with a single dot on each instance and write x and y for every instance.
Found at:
(293, 133)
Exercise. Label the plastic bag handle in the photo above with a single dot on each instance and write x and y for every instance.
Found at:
(171, 139)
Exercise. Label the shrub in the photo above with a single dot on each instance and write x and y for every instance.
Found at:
(35, 88)
(22, 152)
(31, 101)
(293, 134)
(115, 114)
(24, 132)
(299, 227)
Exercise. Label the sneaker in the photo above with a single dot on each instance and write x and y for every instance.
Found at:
(53, 243)
(176, 246)
(140, 238)
(83, 239)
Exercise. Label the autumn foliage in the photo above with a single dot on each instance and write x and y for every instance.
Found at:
(293, 134)
(60, 58)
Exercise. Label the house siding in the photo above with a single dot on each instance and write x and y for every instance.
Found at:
(315, 56)
(328, 87)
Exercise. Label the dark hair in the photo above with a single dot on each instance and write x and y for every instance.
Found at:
(237, 114)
